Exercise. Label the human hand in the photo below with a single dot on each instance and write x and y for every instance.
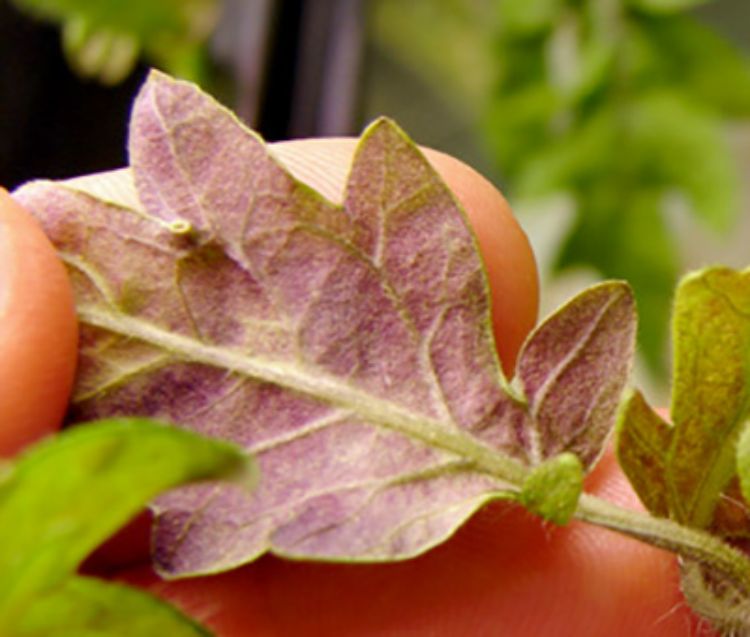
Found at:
(505, 572)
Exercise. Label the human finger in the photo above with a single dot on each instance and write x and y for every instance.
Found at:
(38, 331)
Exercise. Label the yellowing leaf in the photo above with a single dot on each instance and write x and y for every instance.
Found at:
(686, 470)
(643, 440)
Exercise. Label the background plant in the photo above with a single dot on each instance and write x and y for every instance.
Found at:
(104, 40)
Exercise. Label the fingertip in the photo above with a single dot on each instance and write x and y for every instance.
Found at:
(506, 251)
(38, 330)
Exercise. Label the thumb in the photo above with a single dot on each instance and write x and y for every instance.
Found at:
(38, 331)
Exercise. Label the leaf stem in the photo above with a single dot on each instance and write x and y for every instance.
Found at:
(692, 543)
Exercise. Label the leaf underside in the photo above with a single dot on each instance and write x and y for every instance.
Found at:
(347, 346)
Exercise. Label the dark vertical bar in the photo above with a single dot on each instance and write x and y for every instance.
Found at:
(340, 84)
(281, 70)
(243, 39)
(327, 81)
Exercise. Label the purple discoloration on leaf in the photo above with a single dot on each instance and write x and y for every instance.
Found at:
(573, 371)
(347, 347)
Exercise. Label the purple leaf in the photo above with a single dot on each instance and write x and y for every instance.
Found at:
(573, 370)
(348, 347)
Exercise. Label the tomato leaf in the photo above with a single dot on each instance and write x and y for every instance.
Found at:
(693, 464)
(643, 440)
(66, 495)
(711, 394)
(347, 346)
(87, 606)
(573, 370)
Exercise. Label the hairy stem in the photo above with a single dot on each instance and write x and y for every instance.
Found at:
(688, 542)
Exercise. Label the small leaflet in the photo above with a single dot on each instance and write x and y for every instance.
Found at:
(643, 440)
(689, 470)
(573, 370)
(348, 347)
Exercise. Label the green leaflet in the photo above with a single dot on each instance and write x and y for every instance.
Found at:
(711, 389)
(552, 488)
(87, 607)
(642, 447)
(683, 471)
(68, 494)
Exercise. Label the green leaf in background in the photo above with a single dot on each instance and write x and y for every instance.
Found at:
(665, 6)
(528, 17)
(678, 146)
(680, 52)
(465, 30)
(103, 39)
(627, 238)
(638, 109)
(688, 471)
(65, 496)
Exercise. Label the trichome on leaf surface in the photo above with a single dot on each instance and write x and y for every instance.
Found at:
(348, 348)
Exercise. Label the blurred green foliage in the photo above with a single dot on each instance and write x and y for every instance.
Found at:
(620, 104)
(103, 39)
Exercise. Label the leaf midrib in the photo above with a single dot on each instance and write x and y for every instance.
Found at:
(433, 433)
